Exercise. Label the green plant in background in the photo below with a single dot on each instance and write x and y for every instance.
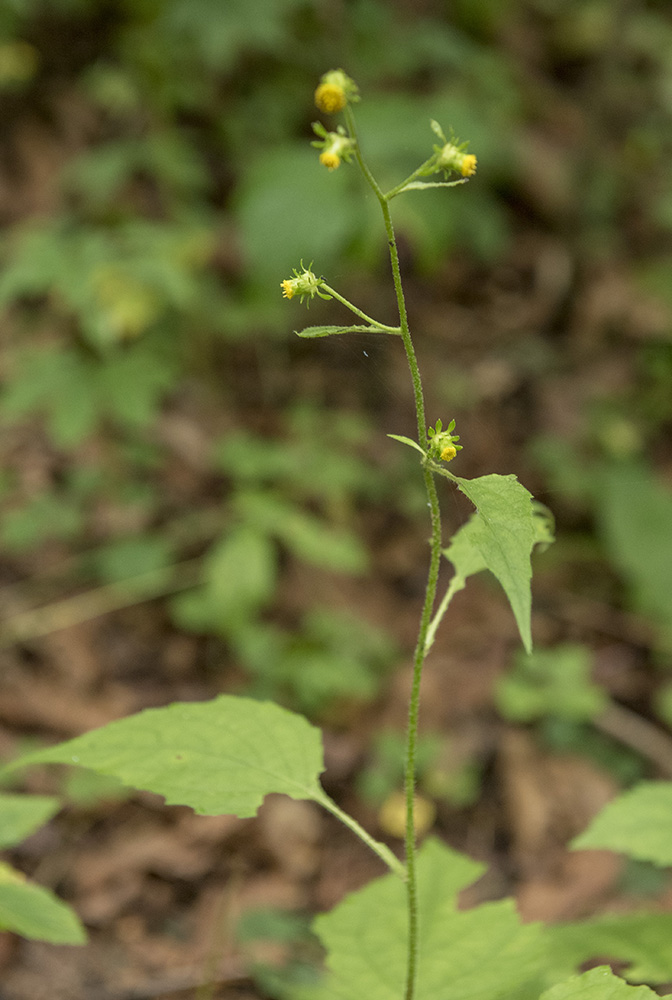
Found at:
(403, 936)
(25, 907)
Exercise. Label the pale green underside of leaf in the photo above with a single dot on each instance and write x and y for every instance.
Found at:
(219, 757)
(419, 185)
(597, 984)
(499, 537)
(479, 954)
(34, 912)
(311, 332)
(21, 815)
(637, 823)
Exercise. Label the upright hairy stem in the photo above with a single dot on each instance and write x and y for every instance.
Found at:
(430, 590)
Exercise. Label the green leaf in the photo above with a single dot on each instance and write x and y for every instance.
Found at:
(218, 757)
(308, 537)
(419, 185)
(406, 440)
(482, 954)
(551, 682)
(287, 181)
(597, 984)
(637, 823)
(330, 331)
(34, 912)
(21, 815)
(643, 940)
(499, 537)
(129, 557)
(635, 520)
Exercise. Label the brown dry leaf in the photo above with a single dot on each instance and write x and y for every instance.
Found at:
(292, 832)
(111, 875)
(548, 798)
(580, 881)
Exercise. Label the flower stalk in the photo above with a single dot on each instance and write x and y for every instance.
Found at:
(336, 93)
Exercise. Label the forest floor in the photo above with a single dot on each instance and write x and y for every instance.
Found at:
(161, 890)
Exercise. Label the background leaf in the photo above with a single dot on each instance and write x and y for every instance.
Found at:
(34, 912)
(637, 823)
(643, 940)
(218, 757)
(21, 815)
(597, 984)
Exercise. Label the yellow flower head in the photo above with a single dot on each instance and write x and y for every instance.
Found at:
(468, 165)
(335, 90)
(330, 160)
(451, 156)
(305, 284)
(336, 146)
(443, 444)
(330, 98)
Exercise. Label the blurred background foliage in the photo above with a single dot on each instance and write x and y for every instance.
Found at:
(162, 431)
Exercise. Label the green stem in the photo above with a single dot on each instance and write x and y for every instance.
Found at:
(358, 312)
(382, 850)
(432, 580)
(422, 171)
(455, 584)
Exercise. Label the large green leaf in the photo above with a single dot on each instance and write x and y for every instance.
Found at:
(637, 823)
(480, 954)
(643, 940)
(34, 912)
(21, 815)
(499, 537)
(220, 756)
(597, 984)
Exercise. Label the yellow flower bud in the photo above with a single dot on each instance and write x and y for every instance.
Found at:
(287, 289)
(448, 453)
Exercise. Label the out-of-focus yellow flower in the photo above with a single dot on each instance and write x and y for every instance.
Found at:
(336, 146)
(330, 160)
(392, 815)
(287, 288)
(330, 98)
(448, 453)
(335, 90)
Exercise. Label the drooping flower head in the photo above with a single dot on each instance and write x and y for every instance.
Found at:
(335, 146)
(335, 90)
(305, 284)
(451, 155)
